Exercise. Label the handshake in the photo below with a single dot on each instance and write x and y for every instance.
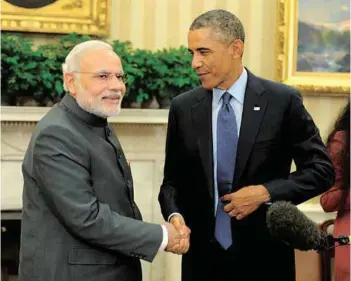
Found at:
(178, 236)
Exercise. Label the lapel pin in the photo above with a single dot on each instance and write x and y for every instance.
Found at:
(257, 108)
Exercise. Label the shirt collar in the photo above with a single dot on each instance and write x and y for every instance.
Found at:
(237, 90)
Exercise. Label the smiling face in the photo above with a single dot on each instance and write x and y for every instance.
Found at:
(217, 64)
(97, 87)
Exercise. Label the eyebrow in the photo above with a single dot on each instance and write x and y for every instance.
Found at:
(108, 71)
(199, 49)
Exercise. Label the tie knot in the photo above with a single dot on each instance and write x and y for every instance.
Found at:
(226, 98)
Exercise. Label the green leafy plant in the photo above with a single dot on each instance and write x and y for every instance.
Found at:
(20, 67)
(173, 73)
(37, 73)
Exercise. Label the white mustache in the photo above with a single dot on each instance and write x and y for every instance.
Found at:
(114, 95)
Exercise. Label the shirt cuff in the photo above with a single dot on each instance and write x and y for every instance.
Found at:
(173, 214)
(164, 239)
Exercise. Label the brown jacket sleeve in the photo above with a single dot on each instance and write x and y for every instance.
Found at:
(331, 199)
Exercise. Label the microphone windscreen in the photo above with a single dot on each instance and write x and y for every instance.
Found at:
(286, 222)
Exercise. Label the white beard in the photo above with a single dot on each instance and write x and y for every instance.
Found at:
(94, 105)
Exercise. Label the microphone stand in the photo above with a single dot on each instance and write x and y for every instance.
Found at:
(342, 240)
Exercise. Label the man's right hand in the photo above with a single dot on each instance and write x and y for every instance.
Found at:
(178, 236)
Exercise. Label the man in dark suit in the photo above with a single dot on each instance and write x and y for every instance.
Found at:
(230, 145)
(79, 220)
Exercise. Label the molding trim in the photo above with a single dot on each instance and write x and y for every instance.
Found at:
(315, 212)
(27, 114)
(90, 17)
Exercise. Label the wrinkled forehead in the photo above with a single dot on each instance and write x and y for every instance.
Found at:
(100, 59)
(200, 34)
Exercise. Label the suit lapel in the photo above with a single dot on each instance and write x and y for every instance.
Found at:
(253, 113)
(202, 121)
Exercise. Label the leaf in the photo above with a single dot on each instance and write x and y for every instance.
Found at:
(47, 84)
(59, 87)
(142, 96)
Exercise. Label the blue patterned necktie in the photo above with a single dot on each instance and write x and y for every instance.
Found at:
(227, 141)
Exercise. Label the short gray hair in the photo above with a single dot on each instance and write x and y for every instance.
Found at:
(227, 27)
(72, 61)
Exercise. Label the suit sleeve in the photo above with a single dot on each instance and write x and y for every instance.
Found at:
(168, 191)
(314, 171)
(61, 169)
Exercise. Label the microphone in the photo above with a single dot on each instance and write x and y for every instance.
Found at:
(286, 222)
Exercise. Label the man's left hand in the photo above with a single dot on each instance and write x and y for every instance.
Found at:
(245, 201)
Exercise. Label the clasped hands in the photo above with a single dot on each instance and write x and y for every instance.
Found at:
(239, 205)
(246, 200)
(178, 235)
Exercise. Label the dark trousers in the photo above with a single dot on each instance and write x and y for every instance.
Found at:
(241, 263)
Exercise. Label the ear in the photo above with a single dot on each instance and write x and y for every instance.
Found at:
(71, 83)
(237, 48)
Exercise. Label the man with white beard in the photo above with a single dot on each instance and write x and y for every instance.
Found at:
(79, 218)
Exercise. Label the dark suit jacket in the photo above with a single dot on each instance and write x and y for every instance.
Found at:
(269, 139)
(79, 219)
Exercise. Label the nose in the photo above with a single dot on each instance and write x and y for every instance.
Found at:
(196, 62)
(116, 84)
